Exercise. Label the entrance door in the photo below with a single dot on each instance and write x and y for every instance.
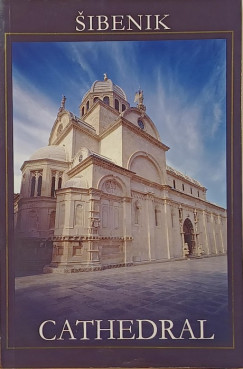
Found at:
(189, 235)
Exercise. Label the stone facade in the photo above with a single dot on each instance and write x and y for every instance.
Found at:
(102, 195)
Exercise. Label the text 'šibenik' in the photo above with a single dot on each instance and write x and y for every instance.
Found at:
(140, 22)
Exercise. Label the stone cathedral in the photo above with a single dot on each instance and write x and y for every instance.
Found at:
(101, 195)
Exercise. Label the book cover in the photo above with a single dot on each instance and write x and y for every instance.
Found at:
(121, 184)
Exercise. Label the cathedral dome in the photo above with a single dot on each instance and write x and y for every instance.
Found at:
(99, 87)
(53, 152)
(76, 182)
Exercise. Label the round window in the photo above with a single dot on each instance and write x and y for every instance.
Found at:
(140, 123)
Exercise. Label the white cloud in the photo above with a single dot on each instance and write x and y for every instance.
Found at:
(186, 129)
(33, 115)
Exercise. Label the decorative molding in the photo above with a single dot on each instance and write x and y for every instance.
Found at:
(95, 160)
(43, 161)
(147, 182)
(194, 198)
(90, 238)
(92, 268)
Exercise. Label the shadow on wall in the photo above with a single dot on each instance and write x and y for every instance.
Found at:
(31, 256)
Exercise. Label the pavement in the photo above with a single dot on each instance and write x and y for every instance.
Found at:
(187, 289)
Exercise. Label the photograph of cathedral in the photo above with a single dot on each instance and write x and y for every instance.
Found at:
(101, 194)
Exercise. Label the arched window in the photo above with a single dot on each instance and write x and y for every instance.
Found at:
(82, 112)
(116, 104)
(123, 107)
(59, 182)
(32, 190)
(53, 181)
(106, 100)
(174, 184)
(39, 184)
(95, 99)
(183, 187)
(87, 105)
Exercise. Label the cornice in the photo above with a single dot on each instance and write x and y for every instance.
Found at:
(36, 200)
(68, 128)
(90, 238)
(72, 189)
(59, 114)
(44, 161)
(95, 160)
(149, 183)
(192, 198)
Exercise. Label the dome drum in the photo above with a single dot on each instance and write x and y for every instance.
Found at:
(107, 92)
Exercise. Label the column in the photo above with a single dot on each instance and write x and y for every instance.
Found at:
(127, 229)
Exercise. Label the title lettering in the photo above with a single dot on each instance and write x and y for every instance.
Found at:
(102, 22)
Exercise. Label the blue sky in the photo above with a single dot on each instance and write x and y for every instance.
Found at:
(184, 85)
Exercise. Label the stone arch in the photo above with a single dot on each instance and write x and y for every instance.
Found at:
(189, 235)
(117, 105)
(106, 100)
(113, 185)
(141, 162)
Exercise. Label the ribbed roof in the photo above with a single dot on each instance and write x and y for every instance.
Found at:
(106, 86)
(54, 152)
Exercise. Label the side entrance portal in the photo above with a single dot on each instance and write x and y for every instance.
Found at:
(189, 236)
